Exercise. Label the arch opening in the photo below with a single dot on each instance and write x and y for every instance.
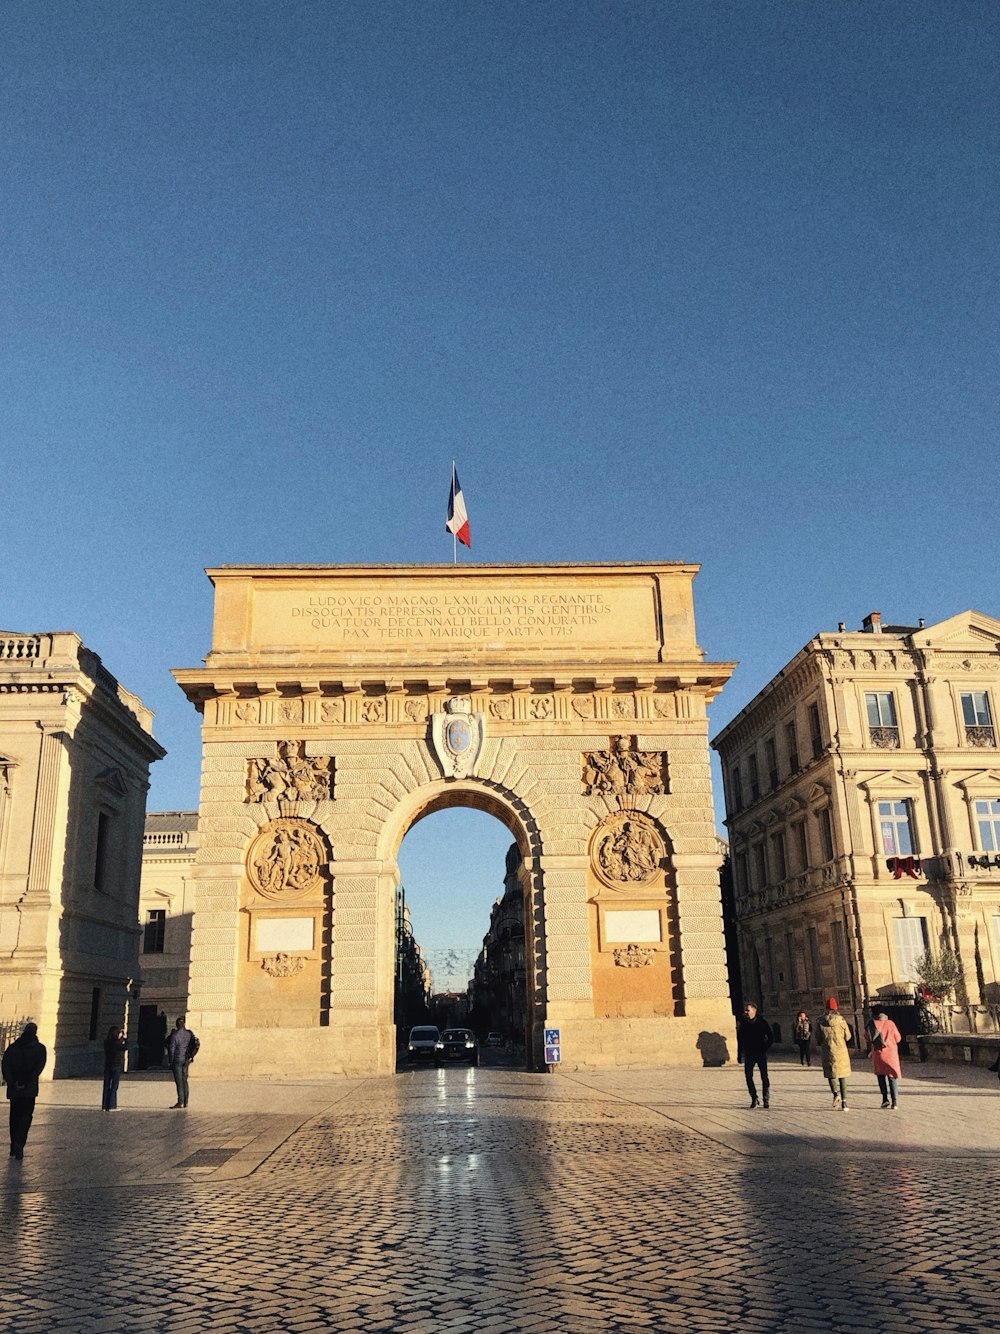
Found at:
(461, 958)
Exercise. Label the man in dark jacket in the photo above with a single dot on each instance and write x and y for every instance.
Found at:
(182, 1048)
(753, 1037)
(23, 1061)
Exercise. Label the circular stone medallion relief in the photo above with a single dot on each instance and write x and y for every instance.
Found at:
(287, 859)
(627, 850)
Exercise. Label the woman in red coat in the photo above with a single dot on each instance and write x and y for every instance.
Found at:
(885, 1057)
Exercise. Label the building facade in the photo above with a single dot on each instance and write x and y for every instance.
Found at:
(341, 704)
(862, 793)
(75, 753)
(166, 911)
(497, 992)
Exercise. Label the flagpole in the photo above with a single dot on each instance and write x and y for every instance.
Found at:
(454, 536)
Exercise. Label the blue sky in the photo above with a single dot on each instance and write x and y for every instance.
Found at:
(700, 280)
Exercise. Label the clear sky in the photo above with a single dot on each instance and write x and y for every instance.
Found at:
(688, 279)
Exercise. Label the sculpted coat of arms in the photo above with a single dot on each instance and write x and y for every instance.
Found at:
(627, 850)
(287, 859)
(624, 771)
(457, 738)
(290, 776)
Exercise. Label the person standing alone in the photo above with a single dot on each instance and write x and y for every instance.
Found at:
(23, 1061)
(802, 1034)
(114, 1061)
(753, 1038)
(182, 1047)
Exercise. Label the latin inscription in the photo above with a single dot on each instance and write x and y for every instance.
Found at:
(383, 617)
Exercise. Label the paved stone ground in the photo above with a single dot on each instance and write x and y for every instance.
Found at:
(491, 1200)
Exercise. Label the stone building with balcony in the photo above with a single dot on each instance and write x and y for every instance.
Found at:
(75, 753)
(166, 911)
(862, 791)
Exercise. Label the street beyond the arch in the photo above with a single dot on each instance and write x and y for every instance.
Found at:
(492, 1200)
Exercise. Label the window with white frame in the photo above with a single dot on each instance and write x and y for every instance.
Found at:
(896, 828)
(883, 728)
(978, 718)
(911, 942)
(988, 824)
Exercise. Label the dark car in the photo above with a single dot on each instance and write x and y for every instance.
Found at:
(457, 1044)
(422, 1044)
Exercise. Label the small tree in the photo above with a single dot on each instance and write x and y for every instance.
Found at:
(940, 973)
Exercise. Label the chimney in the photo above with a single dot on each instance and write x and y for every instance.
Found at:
(872, 624)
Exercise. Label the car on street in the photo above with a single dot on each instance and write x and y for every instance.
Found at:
(494, 1039)
(422, 1042)
(457, 1044)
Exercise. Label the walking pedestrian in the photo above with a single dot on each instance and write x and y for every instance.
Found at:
(114, 1062)
(833, 1033)
(753, 1038)
(883, 1045)
(802, 1032)
(23, 1061)
(182, 1047)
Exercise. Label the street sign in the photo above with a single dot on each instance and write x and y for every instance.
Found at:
(553, 1047)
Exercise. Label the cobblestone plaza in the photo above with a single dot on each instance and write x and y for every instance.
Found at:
(494, 1200)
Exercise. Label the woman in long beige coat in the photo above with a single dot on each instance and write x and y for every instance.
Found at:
(833, 1034)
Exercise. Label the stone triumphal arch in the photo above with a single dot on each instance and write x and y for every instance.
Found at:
(343, 703)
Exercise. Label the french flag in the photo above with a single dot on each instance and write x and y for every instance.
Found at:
(458, 515)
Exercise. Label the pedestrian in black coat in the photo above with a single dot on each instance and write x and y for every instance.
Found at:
(753, 1038)
(23, 1061)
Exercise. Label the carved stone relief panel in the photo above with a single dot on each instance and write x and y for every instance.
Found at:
(287, 859)
(502, 707)
(627, 849)
(332, 710)
(373, 710)
(248, 711)
(282, 964)
(624, 771)
(584, 706)
(290, 776)
(633, 956)
(415, 708)
(623, 706)
(288, 711)
(542, 706)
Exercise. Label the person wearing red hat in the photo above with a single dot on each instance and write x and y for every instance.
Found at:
(834, 1033)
